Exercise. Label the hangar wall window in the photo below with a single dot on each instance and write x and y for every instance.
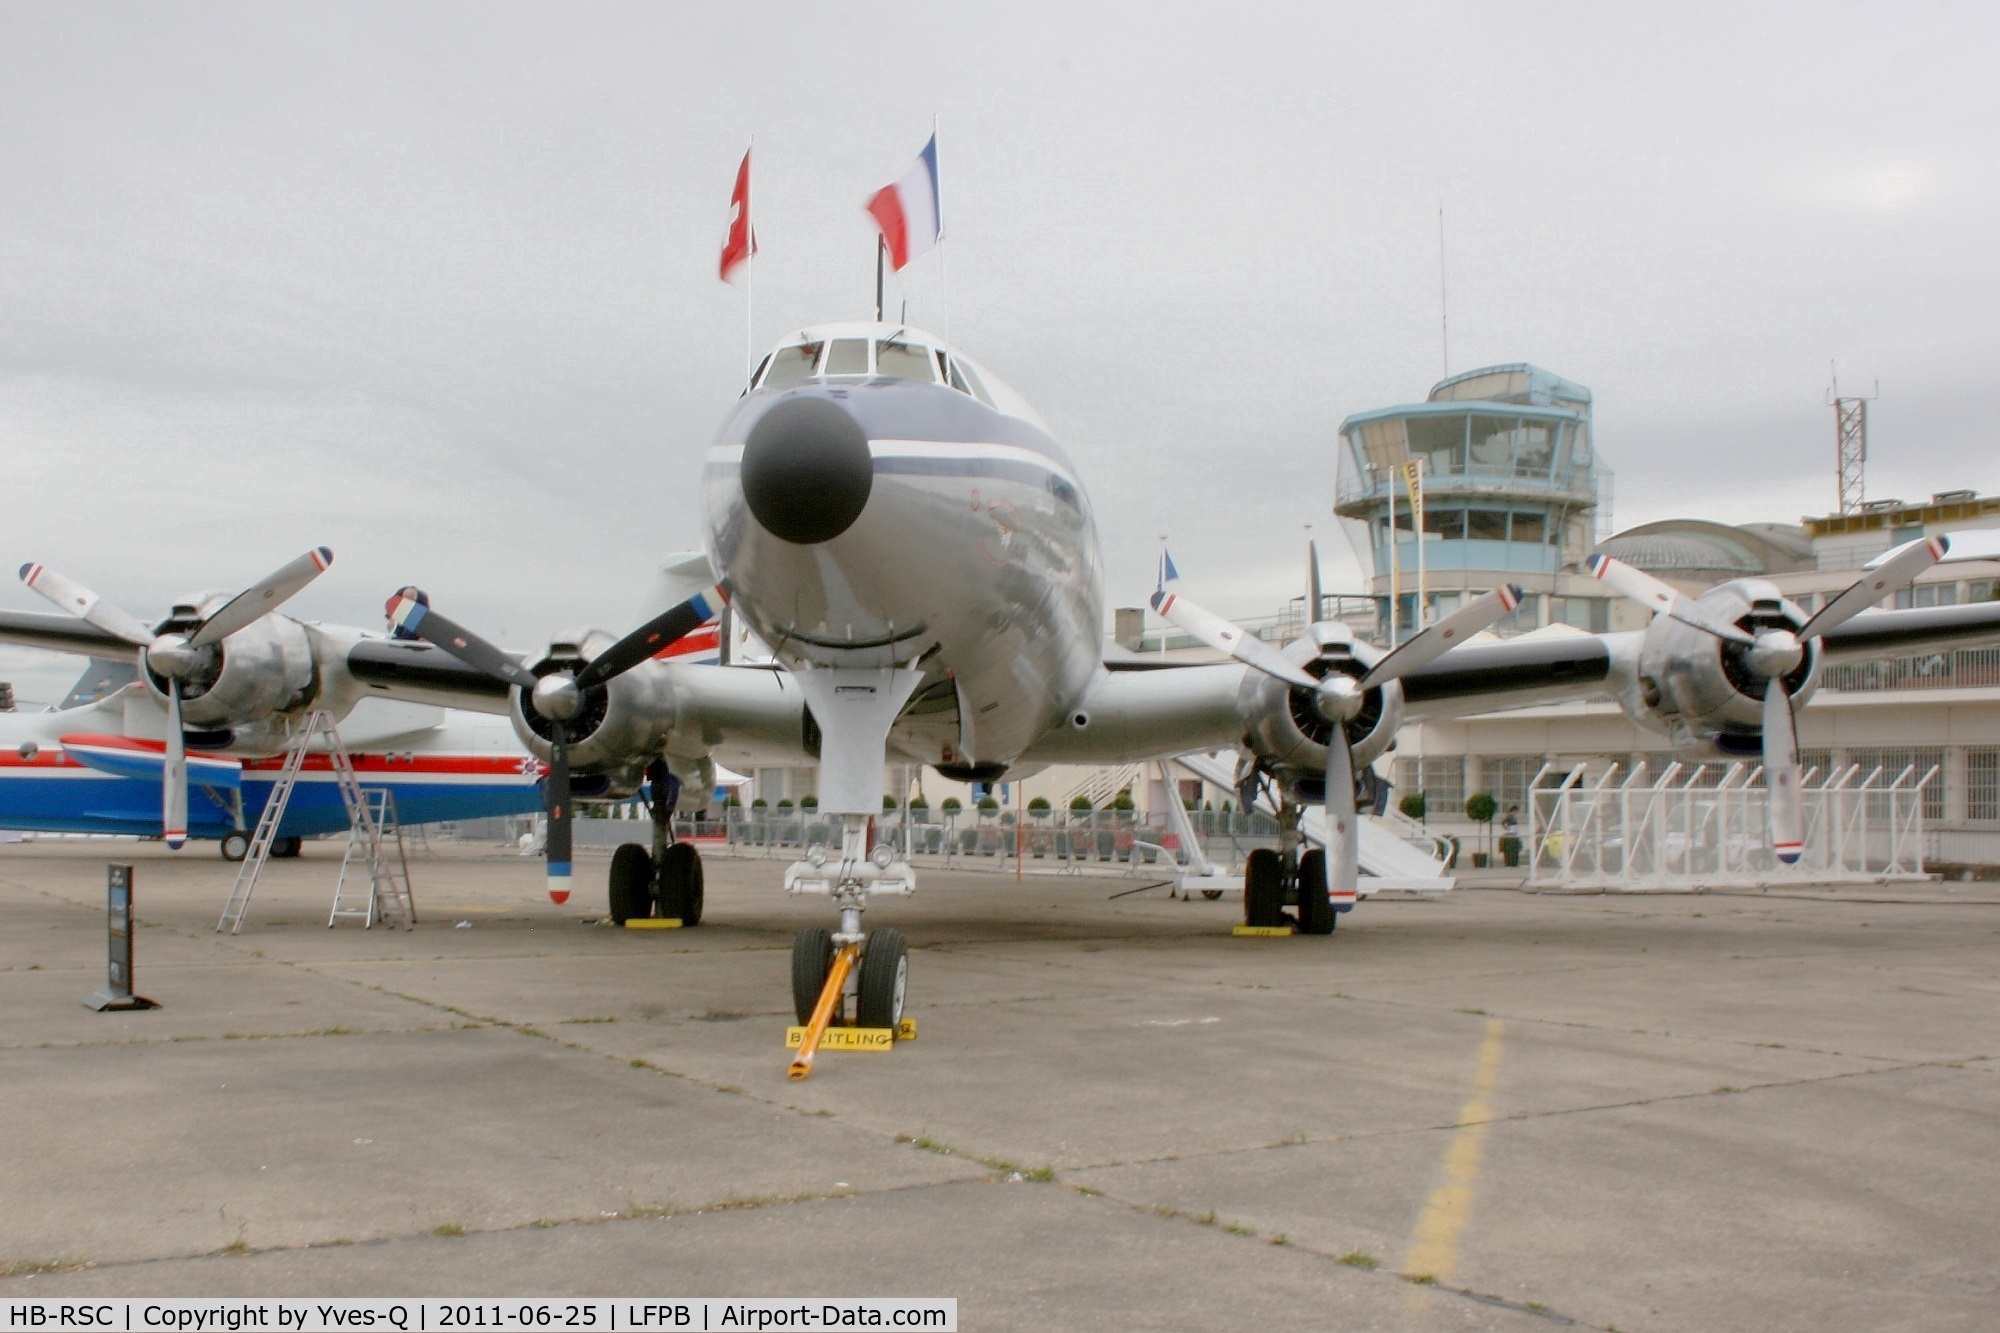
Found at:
(1893, 762)
(1440, 779)
(1982, 782)
(791, 365)
(1507, 780)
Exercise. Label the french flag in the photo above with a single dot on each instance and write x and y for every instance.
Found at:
(911, 211)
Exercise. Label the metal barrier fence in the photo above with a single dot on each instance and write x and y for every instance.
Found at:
(1687, 829)
(1962, 669)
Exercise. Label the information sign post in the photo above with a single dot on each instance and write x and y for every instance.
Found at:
(117, 994)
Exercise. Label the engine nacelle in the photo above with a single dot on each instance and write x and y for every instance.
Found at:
(621, 725)
(1288, 733)
(263, 670)
(1698, 689)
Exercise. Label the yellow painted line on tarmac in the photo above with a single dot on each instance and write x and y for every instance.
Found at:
(1433, 1251)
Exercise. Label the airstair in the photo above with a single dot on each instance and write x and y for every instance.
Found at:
(371, 816)
(1388, 855)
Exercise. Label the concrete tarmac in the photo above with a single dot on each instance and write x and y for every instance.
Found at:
(1504, 1110)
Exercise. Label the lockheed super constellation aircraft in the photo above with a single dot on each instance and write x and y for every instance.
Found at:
(920, 555)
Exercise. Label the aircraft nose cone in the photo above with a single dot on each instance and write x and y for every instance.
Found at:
(806, 471)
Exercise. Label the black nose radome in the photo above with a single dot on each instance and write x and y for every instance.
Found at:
(806, 471)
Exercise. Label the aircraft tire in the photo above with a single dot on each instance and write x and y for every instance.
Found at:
(235, 846)
(885, 973)
(631, 883)
(1263, 889)
(812, 959)
(680, 883)
(1316, 914)
(287, 847)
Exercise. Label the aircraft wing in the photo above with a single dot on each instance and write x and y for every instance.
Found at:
(1482, 677)
(63, 634)
(415, 672)
(1914, 632)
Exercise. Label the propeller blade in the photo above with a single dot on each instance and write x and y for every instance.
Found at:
(85, 605)
(1890, 576)
(1781, 772)
(173, 777)
(1342, 838)
(411, 617)
(252, 603)
(1643, 588)
(1445, 635)
(1315, 598)
(653, 637)
(1220, 634)
(557, 845)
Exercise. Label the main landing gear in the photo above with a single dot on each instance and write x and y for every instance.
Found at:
(1293, 876)
(848, 976)
(666, 880)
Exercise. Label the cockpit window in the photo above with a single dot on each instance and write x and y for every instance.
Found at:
(963, 380)
(900, 361)
(791, 365)
(758, 373)
(847, 356)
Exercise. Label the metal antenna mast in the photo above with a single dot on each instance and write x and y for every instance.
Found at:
(1850, 417)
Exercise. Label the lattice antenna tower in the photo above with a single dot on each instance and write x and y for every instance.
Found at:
(1850, 424)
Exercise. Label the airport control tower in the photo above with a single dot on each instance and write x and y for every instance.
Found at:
(1510, 488)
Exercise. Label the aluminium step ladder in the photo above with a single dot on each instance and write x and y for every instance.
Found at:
(371, 822)
(266, 832)
(385, 894)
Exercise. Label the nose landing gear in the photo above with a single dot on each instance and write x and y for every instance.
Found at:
(846, 972)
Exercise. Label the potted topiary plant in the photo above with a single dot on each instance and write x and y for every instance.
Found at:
(1480, 808)
(1413, 805)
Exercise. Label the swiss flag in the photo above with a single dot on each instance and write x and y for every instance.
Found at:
(741, 242)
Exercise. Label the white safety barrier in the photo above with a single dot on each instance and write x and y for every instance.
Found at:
(1691, 829)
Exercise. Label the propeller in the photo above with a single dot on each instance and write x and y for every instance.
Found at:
(1338, 696)
(179, 653)
(1774, 651)
(558, 696)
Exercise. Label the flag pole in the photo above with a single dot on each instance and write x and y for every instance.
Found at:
(750, 282)
(881, 252)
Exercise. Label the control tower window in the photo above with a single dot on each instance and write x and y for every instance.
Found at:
(1445, 524)
(1493, 444)
(791, 365)
(900, 361)
(1535, 451)
(1528, 528)
(847, 356)
(1486, 525)
(1441, 440)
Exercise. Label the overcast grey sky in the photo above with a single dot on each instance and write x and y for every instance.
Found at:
(434, 284)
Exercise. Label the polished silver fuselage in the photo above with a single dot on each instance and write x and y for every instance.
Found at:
(974, 558)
